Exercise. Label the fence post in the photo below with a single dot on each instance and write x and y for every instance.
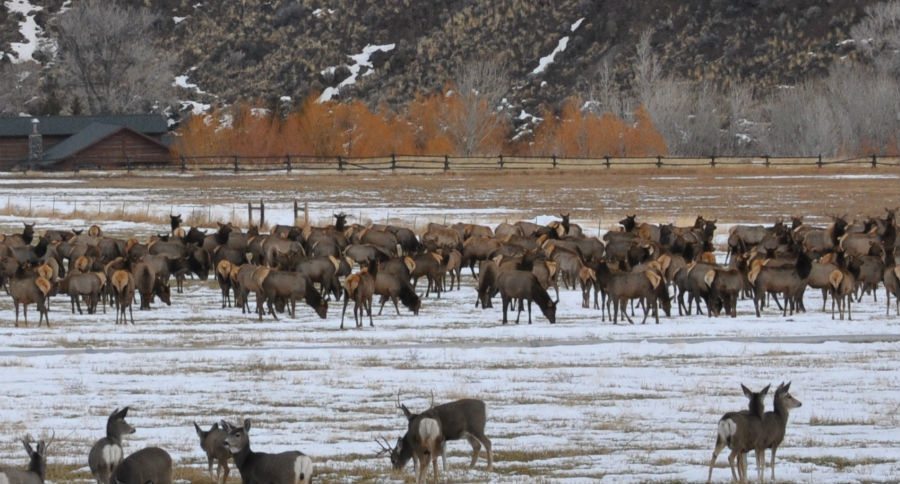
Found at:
(712, 161)
(501, 161)
(767, 160)
(287, 161)
(819, 162)
(446, 162)
(607, 161)
(249, 213)
(554, 161)
(874, 160)
(393, 162)
(296, 209)
(235, 164)
(658, 161)
(262, 213)
(340, 163)
(183, 164)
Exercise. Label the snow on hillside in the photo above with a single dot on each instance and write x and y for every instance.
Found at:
(560, 47)
(359, 61)
(24, 51)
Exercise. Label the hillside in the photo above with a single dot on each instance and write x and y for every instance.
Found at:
(266, 50)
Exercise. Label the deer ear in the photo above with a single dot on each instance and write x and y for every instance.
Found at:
(123, 413)
(746, 390)
(765, 390)
(787, 387)
(246, 425)
(199, 430)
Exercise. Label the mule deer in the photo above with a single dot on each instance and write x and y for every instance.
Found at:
(106, 454)
(460, 419)
(212, 442)
(774, 424)
(740, 431)
(290, 467)
(148, 465)
(423, 441)
(37, 465)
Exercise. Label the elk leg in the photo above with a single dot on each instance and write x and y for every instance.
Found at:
(396, 306)
(518, 310)
(368, 305)
(529, 311)
(824, 298)
(130, 313)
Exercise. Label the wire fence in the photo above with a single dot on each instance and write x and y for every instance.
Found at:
(418, 163)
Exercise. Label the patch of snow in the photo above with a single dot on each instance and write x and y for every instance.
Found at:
(321, 12)
(359, 61)
(183, 82)
(285, 99)
(197, 108)
(846, 42)
(178, 20)
(577, 24)
(260, 112)
(543, 83)
(24, 51)
(548, 59)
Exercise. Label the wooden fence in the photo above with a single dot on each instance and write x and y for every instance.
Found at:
(415, 163)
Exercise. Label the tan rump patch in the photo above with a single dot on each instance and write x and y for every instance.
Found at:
(587, 274)
(755, 269)
(552, 267)
(82, 263)
(708, 257)
(119, 280)
(835, 278)
(349, 261)
(224, 267)
(436, 256)
(664, 261)
(260, 275)
(710, 277)
(897, 272)
(827, 258)
(234, 273)
(352, 282)
(335, 262)
(179, 232)
(95, 231)
(45, 271)
(410, 263)
(43, 285)
(654, 278)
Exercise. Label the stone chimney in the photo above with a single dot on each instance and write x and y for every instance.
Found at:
(35, 142)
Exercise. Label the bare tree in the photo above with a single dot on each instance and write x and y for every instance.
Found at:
(19, 87)
(877, 35)
(647, 68)
(108, 57)
(475, 118)
(605, 96)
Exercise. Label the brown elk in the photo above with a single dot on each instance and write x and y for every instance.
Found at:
(360, 288)
(390, 286)
(123, 286)
(291, 467)
(37, 465)
(740, 431)
(516, 286)
(150, 285)
(287, 287)
(88, 285)
(644, 286)
(26, 288)
(891, 278)
(212, 442)
(789, 281)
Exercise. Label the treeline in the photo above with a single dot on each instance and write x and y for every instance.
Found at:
(445, 123)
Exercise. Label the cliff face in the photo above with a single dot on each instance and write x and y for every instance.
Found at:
(265, 50)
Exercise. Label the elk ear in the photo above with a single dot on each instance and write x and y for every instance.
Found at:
(246, 425)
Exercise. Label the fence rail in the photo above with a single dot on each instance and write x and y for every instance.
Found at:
(416, 163)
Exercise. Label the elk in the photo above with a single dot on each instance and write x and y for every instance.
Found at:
(842, 286)
(223, 277)
(393, 287)
(122, 283)
(37, 465)
(624, 286)
(150, 285)
(289, 287)
(790, 281)
(725, 286)
(28, 289)
(740, 431)
(106, 454)
(212, 442)
(150, 464)
(84, 285)
(774, 424)
(175, 222)
(360, 287)
(325, 270)
(516, 286)
(431, 266)
(291, 467)
(891, 280)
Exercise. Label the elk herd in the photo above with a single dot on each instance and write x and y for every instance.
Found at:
(648, 265)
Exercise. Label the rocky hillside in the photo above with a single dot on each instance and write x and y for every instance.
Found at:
(268, 49)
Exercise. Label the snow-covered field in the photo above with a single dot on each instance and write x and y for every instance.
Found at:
(579, 401)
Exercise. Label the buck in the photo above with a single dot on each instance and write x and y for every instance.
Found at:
(740, 431)
(292, 467)
(106, 454)
(212, 442)
(460, 419)
(37, 466)
(148, 465)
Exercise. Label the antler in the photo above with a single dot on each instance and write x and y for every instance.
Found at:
(51, 440)
(385, 447)
(402, 407)
(432, 399)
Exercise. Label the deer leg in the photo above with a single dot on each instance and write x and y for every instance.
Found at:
(720, 444)
(773, 463)
(761, 465)
(434, 467)
(731, 463)
(476, 448)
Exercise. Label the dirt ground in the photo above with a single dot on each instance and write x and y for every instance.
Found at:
(730, 194)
